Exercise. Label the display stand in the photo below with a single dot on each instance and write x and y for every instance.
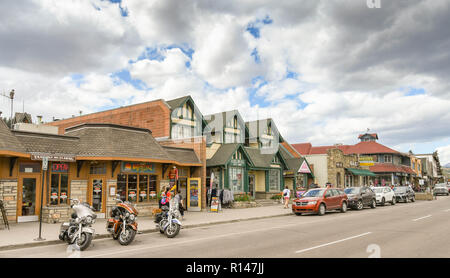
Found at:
(3, 211)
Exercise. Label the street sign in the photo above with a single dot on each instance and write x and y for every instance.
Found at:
(45, 163)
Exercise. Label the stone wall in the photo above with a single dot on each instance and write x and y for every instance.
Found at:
(8, 194)
(337, 161)
(78, 190)
(56, 214)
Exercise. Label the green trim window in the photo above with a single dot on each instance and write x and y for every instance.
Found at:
(236, 175)
(274, 180)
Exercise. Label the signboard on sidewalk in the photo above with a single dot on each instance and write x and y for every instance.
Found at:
(215, 204)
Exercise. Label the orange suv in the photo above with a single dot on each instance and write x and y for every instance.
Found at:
(320, 200)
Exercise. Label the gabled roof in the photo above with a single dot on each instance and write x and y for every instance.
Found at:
(9, 142)
(262, 160)
(22, 118)
(177, 102)
(290, 149)
(252, 128)
(224, 154)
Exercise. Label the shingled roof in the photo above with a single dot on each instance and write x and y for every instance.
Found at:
(183, 156)
(47, 143)
(223, 154)
(110, 140)
(262, 160)
(9, 142)
(174, 103)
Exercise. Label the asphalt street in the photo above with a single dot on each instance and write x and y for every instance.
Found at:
(412, 230)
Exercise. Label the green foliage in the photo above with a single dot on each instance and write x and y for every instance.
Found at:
(276, 197)
(242, 198)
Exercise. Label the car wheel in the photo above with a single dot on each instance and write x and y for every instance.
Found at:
(374, 204)
(344, 207)
(322, 209)
(394, 200)
(413, 199)
(383, 201)
(359, 205)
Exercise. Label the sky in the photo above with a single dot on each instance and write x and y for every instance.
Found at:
(325, 71)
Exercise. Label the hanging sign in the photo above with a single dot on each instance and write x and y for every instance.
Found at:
(214, 204)
(304, 169)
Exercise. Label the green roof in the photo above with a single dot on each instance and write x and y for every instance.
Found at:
(224, 154)
(360, 172)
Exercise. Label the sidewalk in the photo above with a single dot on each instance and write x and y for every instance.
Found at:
(22, 235)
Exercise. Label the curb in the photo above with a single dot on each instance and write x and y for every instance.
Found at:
(147, 231)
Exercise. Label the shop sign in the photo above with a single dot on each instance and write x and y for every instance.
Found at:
(237, 162)
(366, 161)
(304, 169)
(60, 167)
(138, 167)
(53, 157)
(339, 165)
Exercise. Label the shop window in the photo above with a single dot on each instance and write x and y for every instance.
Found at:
(59, 184)
(388, 159)
(29, 167)
(98, 169)
(237, 179)
(127, 187)
(274, 180)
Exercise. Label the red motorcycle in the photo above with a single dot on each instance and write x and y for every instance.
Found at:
(122, 224)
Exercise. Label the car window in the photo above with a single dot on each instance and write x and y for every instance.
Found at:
(335, 192)
(387, 190)
(328, 193)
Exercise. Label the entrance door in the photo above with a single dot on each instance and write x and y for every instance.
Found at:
(97, 192)
(251, 185)
(28, 199)
(182, 182)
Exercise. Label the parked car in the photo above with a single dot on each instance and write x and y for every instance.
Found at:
(404, 194)
(384, 194)
(320, 200)
(358, 197)
(440, 189)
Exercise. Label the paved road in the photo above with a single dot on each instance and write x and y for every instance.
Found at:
(417, 229)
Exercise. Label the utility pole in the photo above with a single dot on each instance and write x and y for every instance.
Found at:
(11, 97)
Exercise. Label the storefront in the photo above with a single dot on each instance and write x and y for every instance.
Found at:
(81, 167)
(358, 177)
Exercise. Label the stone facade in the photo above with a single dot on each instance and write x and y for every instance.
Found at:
(56, 214)
(337, 161)
(78, 190)
(8, 194)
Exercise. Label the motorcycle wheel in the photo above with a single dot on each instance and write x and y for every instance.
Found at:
(172, 230)
(128, 237)
(84, 241)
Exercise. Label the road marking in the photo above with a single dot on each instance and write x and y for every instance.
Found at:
(330, 243)
(422, 217)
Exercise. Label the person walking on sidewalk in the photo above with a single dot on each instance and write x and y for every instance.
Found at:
(179, 200)
(286, 196)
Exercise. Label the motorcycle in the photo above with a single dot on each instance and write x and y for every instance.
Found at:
(79, 229)
(122, 224)
(167, 221)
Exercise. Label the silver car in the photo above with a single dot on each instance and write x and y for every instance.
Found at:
(441, 189)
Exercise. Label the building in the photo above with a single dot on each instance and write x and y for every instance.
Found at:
(90, 162)
(431, 168)
(175, 123)
(333, 164)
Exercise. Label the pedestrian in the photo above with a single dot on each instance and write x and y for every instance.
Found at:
(328, 185)
(286, 196)
(179, 200)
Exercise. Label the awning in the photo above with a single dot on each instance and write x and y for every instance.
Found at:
(360, 172)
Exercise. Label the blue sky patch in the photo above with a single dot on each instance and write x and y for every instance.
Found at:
(255, 55)
(254, 27)
(292, 75)
(415, 91)
(78, 79)
(123, 10)
(124, 76)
